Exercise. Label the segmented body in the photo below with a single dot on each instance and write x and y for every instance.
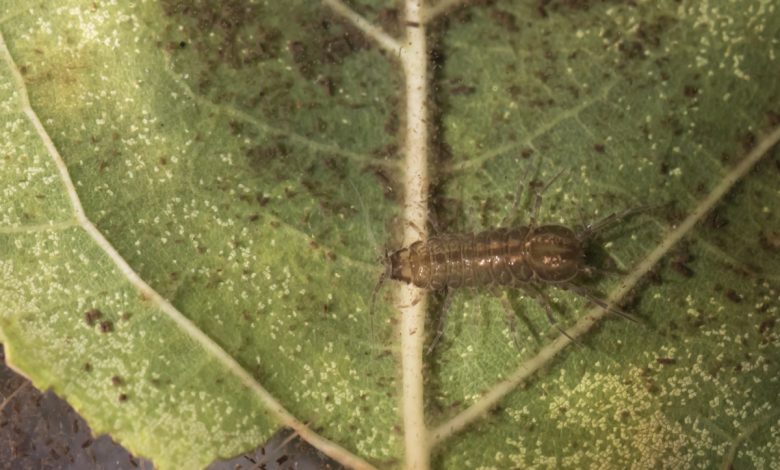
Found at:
(501, 257)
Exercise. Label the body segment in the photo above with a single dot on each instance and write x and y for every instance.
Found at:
(501, 257)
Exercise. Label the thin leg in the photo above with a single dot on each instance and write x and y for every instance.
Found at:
(538, 199)
(583, 292)
(511, 319)
(612, 218)
(545, 303)
(445, 308)
(378, 286)
(512, 215)
(591, 271)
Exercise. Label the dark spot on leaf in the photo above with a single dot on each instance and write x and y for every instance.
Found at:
(93, 315)
(87, 367)
(106, 326)
(732, 295)
(690, 91)
(526, 153)
(123, 397)
(392, 123)
(224, 33)
(748, 140)
(632, 50)
(766, 325)
(86, 443)
(462, 89)
(773, 118)
(504, 19)
(116, 380)
(770, 240)
(327, 84)
(666, 360)
(716, 220)
(599, 148)
(680, 262)
(390, 21)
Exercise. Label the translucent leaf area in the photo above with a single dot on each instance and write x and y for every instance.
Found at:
(240, 163)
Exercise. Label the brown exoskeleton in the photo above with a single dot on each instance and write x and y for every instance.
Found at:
(528, 257)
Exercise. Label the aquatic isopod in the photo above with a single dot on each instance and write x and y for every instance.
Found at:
(527, 257)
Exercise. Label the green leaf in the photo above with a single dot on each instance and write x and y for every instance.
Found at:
(239, 167)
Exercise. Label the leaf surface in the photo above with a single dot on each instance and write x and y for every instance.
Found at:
(243, 160)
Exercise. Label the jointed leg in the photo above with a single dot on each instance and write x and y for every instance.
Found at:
(445, 308)
(537, 294)
(511, 318)
(512, 215)
(538, 200)
(583, 292)
(600, 225)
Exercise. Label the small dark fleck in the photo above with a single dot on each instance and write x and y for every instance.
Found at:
(91, 316)
(766, 325)
(632, 49)
(330, 255)
(773, 118)
(541, 8)
(327, 84)
(182, 45)
(666, 360)
(86, 443)
(282, 459)
(680, 264)
(526, 153)
(599, 148)
(770, 240)
(116, 380)
(106, 326)
(463, 90)
(732, 295)
(748, 141)
(87, 367)
(690, 91)
(254, 217)
(313, 245)
(716, 220)
(413, 24)
(504, 19)
(683, 269)
(123, 397)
